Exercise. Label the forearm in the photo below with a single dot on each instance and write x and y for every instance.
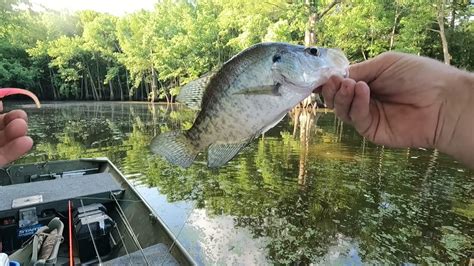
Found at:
(456, 136)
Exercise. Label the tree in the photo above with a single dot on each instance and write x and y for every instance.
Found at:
(314, 15)
(440, 7)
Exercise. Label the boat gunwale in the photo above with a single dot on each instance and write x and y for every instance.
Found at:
(175, 240)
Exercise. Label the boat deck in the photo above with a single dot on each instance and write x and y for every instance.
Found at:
(55, 190)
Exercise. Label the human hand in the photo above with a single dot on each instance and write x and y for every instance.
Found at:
(13, 140)
(402, 100)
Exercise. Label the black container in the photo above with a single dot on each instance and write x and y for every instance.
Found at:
(92, 222)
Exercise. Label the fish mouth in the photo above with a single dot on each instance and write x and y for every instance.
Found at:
(4, 92)
(338, 59)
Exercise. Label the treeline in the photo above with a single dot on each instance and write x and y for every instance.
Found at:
(149, 55)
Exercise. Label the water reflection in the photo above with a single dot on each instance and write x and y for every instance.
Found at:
(305, 119)
(310, 190)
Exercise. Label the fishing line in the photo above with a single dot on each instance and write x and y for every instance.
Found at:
(92, 238)
(129, 228)
(122, 238)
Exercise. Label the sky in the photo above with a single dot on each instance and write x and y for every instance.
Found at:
(114, 7)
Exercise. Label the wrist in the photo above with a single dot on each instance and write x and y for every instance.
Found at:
(456, 119)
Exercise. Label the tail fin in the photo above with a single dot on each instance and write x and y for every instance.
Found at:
(175, 147)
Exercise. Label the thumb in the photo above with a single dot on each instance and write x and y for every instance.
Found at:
(369, 70)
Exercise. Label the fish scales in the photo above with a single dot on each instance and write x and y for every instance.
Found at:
(225, 107)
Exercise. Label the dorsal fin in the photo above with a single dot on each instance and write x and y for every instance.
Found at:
(191, 93)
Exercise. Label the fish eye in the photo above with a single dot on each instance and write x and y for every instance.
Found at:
(276, 58)
(313, 51)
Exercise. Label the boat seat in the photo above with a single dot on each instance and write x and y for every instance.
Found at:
(53, 192)
(43, 248)
(45, 252)
(156, 255)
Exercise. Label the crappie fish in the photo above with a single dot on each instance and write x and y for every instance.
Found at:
(248, 95)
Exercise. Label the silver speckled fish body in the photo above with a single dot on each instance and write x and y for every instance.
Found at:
(250, 94)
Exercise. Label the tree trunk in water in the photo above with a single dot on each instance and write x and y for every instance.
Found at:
(112, 96)
(147, 91)
(154, 90)
(128, 85)
(100, 90)
(52, 84)
(95, 95)
(99, 83)
(86, 87)
(81, 91)
(111, 87)
(141, 91)
(444, 42)
(120, 87)
(41, 91)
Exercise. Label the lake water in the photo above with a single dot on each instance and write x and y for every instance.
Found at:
(310, 190)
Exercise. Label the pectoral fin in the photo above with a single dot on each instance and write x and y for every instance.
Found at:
(262, 90)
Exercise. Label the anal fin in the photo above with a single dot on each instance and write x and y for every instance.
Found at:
(220, 153)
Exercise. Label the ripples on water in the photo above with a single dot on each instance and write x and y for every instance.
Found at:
(310, 190)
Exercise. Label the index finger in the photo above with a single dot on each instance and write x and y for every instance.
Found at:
(5, 119)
